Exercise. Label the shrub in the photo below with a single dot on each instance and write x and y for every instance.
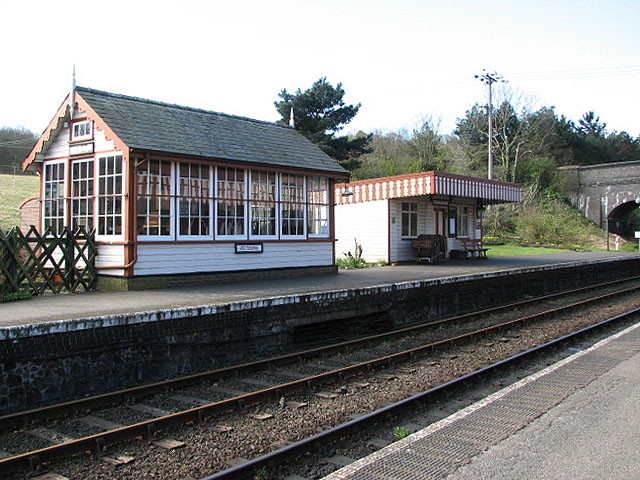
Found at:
(353, 260)
(400, 432)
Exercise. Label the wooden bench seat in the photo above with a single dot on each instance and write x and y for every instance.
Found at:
(473, 248)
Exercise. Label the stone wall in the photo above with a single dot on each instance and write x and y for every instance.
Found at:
(597, 190)
(53, 362)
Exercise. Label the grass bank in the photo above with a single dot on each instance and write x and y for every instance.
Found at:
(517, 250)
(13, 190)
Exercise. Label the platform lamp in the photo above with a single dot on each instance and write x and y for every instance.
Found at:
(479, 217)
(347, 191)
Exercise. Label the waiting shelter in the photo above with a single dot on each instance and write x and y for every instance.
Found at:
(385, 216)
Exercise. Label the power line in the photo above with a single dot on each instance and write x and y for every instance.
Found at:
(13, 142)
(577, 73)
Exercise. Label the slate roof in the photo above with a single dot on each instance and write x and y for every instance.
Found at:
(156, 126)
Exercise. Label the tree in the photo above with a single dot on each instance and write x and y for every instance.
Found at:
(319, 113)
(590, 125)
(518, 133)
(15, 145)
(390, 155)
(427, 146)
(623, 148)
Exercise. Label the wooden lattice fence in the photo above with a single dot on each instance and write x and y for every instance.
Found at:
(34, 263)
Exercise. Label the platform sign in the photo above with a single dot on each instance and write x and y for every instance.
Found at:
(637, 234)
(249, 248)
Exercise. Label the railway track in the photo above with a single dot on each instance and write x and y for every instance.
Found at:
(340, 433)
(33, 424)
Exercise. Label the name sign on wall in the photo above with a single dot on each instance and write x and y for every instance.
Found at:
(249, 248)
(440, 202)
(80, 149)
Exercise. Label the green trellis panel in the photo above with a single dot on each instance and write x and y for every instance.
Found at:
(34, 263)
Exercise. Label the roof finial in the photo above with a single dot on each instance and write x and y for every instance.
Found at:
(292, 122)
(73, 91)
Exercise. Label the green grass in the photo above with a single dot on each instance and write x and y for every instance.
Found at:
(13, 190)
(517, 250)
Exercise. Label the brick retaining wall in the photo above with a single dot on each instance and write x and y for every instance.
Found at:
(57, 361)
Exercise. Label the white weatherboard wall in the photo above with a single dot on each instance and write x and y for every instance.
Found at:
(110, 255)
(59, 148)
(101, 142)
(60, 145)
(401, 247)
(166, 259)
(366, 223)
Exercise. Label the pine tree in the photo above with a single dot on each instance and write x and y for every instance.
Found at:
(319, 113)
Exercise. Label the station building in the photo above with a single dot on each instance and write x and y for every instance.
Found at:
(386, 215)
(174, 191)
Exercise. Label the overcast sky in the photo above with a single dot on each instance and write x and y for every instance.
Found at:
(402, 60)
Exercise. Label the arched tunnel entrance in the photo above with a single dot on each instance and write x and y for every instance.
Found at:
(624, 220)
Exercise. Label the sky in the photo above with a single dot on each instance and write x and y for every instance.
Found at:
(404, 61)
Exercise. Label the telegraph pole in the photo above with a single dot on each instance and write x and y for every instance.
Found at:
(489, 79)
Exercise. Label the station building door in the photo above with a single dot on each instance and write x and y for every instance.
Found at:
(441, 221)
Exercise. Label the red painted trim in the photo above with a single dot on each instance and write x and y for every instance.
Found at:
(221, 162)
(81, 157)
(67, 201)
(440, 184)
(130, 234)
(433, 174)
(332, 220)
(46, 135)
(99, 123)
(87, 139)
(115, 242)
(389, 231)
(242, 240)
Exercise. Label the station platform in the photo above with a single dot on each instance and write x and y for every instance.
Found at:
(575, 419)
(96, 304)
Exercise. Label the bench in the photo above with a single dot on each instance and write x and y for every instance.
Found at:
(473, 248)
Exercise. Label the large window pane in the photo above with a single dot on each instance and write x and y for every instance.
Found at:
(54, 196)
(263, 203)
(110, 196)
(318, 206)
(193, 200)
(230, 206)
(292, 205)
(82, 193)
(153, 201)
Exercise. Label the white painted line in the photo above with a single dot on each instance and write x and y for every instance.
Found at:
(343, 473)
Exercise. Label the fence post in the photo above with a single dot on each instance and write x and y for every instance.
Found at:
(13, 265)
(9, 257)
(69, 255)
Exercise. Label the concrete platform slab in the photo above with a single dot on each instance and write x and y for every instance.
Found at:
(578, 420)
(96, 304)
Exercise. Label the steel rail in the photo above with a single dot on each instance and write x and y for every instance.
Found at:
(149, 428)
(248, 469)
(20, 419)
